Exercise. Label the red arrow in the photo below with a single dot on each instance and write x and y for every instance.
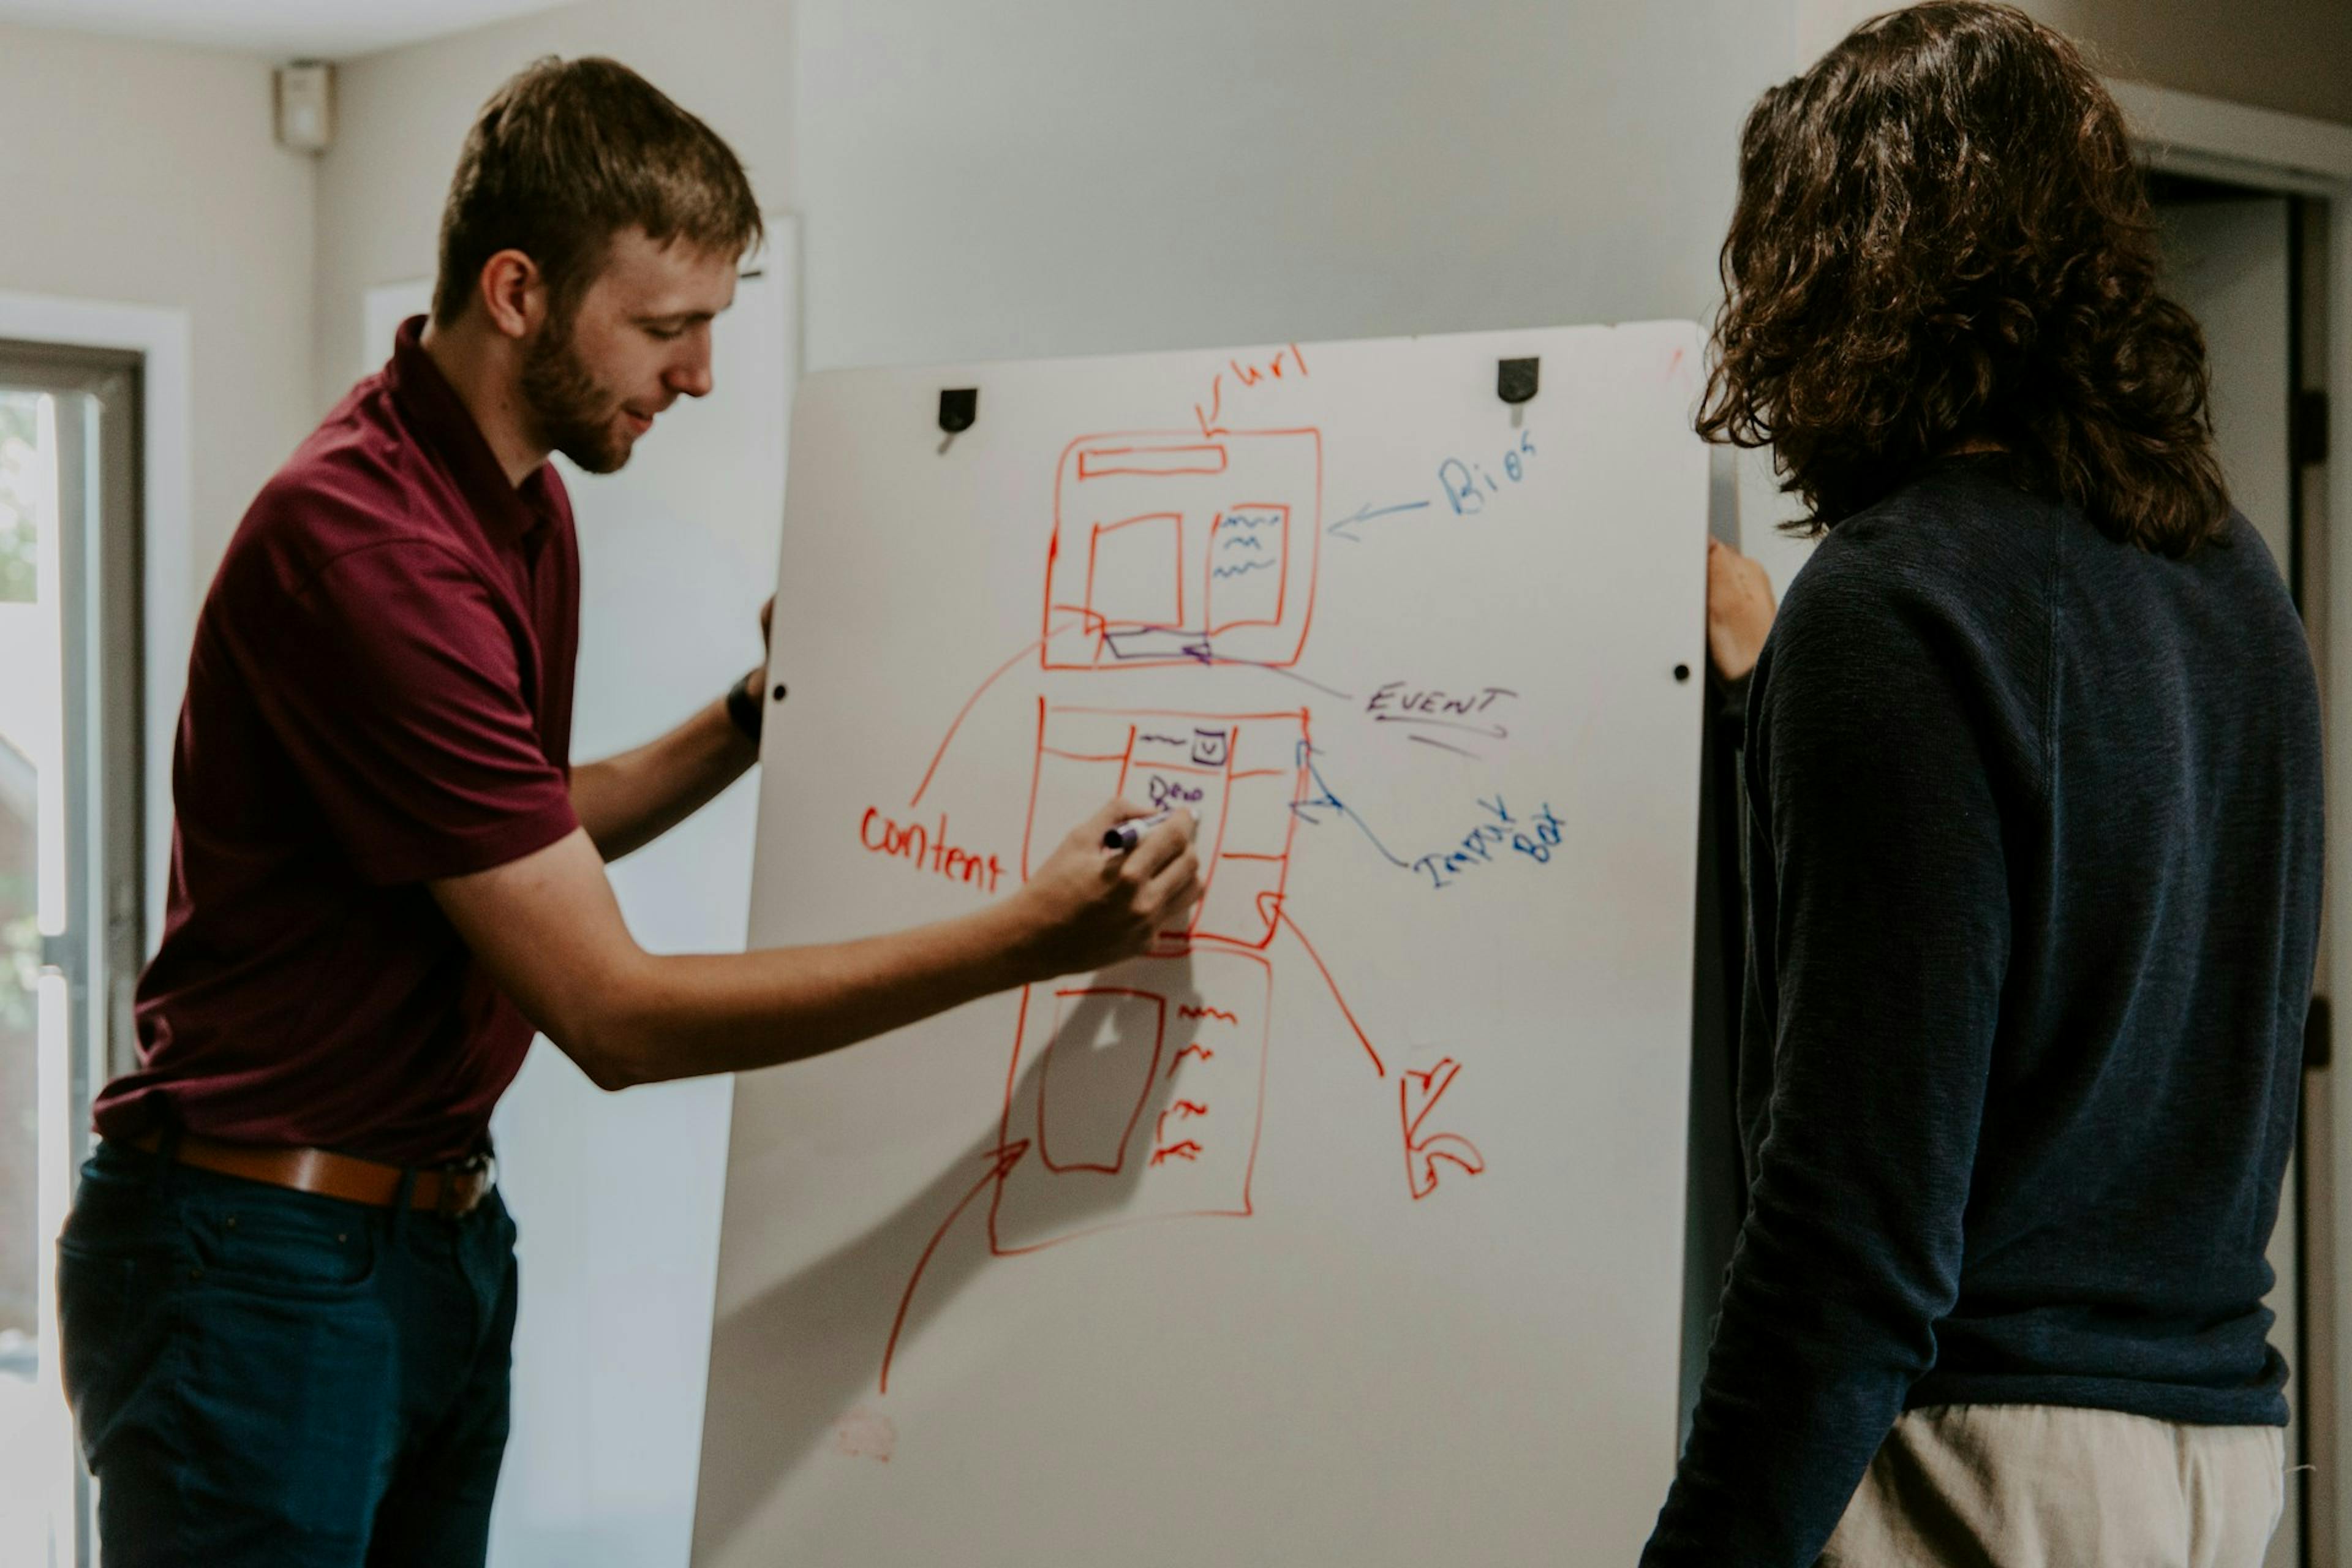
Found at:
(1005, 1159)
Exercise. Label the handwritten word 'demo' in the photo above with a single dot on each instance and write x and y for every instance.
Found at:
(928, 850)
(1166, 793)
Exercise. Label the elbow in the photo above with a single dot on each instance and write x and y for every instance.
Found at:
(608, 1038)
(608, 1065)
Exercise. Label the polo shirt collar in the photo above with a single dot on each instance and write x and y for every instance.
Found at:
(437, 415)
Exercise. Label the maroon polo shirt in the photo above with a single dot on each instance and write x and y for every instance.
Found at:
(380, 695)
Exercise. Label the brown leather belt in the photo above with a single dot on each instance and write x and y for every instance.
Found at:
(451, 1190)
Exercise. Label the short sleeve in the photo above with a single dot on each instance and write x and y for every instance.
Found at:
(394, 682)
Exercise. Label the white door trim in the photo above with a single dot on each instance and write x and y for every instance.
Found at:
(2271, 151)
(159, 336)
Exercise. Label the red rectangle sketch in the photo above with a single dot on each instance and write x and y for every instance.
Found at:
(1224, 570)
(1095, 1075)
(1140, 1094)
(1096, 462)
(1135, 571)
(1240, 773)
(1249, 567)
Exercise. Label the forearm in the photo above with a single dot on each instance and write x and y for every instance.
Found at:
(1813, 1357)
(689, 1015)
(1848, 1255)
(628, 801)
(548, 930)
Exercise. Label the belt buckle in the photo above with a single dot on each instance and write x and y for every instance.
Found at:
(463, 1187)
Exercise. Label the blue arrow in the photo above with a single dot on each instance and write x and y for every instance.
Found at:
(1304, 809)
(1366, 512)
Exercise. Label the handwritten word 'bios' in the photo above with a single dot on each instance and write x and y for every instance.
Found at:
(1535, 838)
(1467, 485)
(927, 850)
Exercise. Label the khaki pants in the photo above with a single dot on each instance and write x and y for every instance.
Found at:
(2044, 1486)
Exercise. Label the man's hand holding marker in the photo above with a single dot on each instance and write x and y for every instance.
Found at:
(1116, 881)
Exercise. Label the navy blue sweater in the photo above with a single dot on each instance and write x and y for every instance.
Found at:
(2035, 881)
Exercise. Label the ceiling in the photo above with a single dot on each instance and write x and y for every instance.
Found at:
(283, 29)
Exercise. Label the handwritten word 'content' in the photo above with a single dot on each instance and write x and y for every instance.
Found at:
(1468, 485)
(928, 850)
(1498, 833)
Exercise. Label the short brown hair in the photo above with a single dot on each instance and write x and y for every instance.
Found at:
(1942, 237)
(569, 154)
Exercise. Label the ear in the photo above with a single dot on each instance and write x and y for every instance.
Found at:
(513, 294)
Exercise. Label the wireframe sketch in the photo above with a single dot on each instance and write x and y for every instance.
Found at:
(1171, 547)
(1144, 1084)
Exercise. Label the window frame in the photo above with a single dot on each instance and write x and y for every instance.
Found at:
(94, 959)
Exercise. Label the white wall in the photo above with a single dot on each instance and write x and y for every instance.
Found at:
(1071, 175)
(146, 174)
(1062, 176)
(1312, 169)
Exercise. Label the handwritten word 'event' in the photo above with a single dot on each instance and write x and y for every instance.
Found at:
(1467, 485)
(927, 850)
(1394, 698)
(1536, 839)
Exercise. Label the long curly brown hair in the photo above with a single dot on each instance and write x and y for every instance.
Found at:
(1942, 241)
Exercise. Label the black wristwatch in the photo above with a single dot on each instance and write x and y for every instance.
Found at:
(744, 706)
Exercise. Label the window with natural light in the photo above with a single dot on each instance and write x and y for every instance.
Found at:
(37, 1507)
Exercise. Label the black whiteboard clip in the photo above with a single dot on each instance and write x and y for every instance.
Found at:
(959, 406)
(1514, 383)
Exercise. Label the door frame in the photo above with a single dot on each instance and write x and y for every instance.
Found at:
(138, 356)
(2293, 155)
(160, 337)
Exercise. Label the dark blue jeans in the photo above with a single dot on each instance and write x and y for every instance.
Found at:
(265, 1376)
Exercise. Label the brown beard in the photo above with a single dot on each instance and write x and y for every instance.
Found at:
(570, 410)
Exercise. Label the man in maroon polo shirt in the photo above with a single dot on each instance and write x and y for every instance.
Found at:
(287, 1288)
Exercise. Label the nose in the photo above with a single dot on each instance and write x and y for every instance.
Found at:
(690, 376)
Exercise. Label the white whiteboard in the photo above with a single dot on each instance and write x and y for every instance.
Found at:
(1350, 1229)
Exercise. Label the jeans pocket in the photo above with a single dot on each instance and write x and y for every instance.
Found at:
(282, 1243)
(110, 1316)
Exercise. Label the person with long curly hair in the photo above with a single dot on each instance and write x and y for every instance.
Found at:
(2035, 844)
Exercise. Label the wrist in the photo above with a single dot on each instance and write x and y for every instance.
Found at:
(744, 708)
(1011, 939)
